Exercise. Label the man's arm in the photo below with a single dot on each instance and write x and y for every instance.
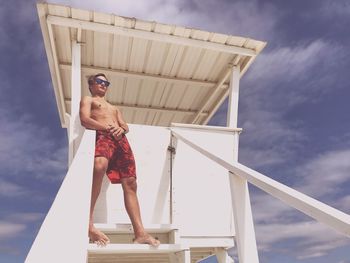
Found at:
(121, 121)
(85, 112)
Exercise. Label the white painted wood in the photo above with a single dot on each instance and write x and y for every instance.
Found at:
(57, 74)
(98, 27)
(75, 128)
(70, 210)
(213, 92)
(151, 109)
(134, 248)
(328, 215)
(200, 210)
(127, 228)
(207, 241)
(206, 128)
(149, 145)
(232, 110)
(244, 224)
(222, 256)
(184, 256)
(144, 76)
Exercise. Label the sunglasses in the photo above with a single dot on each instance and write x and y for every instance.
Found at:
(101, 81)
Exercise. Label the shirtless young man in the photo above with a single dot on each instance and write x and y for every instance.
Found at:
(112, 155)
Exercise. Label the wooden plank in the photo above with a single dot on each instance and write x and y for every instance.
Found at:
(105, 28)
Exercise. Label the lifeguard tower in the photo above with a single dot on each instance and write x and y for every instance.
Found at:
(168, 81)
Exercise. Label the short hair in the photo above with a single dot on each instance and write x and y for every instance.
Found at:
(92, 78)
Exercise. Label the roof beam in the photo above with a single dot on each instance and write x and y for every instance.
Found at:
(148, 108)
(215, 90)
(145, 76)
(216, 107)
(130, 32)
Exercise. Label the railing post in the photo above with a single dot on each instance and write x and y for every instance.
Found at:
(243, 219)
(74, 129)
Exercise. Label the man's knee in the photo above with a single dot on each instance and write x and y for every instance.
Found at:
(129, 184)
(100, 165)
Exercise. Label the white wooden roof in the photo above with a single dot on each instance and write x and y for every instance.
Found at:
(159, 73)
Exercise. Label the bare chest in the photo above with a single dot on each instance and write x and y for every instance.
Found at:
(100, 107)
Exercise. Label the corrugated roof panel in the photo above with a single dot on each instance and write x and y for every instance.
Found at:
(146, 91)
(59, 10)
(101, 49)
(220, 65)
(219, 38)
(131, 91)
(191, 54)
(164, 119)
(66, 82)
(121, 52)
(206, 64)
(178, 118)
(87, 49)
(176, 94)
(189, 62)
(81, 14)
(143, 25)
(140, 117)
(138, 55)
(188, 101)
(103, 18)
(165, 94)
(172, 60)
(156, 58)
(162, 28)
(200, 34)
(202, 95)
(115, 90)
(236, 41)
(64, 51)
(182, 31)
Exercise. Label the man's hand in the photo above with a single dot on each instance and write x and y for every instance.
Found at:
(115, 131)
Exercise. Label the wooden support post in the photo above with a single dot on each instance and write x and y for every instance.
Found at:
(222, 256)
(75, 128)
(243, 219)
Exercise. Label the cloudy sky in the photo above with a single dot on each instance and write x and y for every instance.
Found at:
(294, 109)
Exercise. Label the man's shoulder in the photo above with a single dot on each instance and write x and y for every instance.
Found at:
(86, 98)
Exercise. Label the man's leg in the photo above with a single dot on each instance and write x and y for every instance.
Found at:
(132, 207)
(100, 167)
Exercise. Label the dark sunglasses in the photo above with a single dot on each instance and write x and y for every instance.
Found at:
(101, 81)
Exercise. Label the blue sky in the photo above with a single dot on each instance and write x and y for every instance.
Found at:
(294, 109)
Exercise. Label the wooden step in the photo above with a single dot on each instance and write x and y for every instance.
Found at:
(127, 228)
(131, 253)
(135, 248)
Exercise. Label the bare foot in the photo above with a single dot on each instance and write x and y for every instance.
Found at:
(97, 237)
(147, 239)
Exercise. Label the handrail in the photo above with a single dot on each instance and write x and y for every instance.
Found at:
(326, 214)
(63, 236)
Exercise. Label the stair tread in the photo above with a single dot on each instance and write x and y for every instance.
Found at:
(134, 248)
(127, 228)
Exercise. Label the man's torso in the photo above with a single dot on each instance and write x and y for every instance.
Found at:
(104, 112)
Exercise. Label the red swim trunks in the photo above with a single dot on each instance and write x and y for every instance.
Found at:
(121, 162)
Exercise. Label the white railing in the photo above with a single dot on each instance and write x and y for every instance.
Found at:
(321, 212)
(63, 236)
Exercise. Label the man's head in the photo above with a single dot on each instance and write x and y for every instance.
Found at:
(98, 84)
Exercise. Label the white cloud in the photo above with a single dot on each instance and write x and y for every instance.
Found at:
(10, 230)
(28, 149)
(330, 170)
(9, 189)
(25, 217)
(276, 222)
(281, 228)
